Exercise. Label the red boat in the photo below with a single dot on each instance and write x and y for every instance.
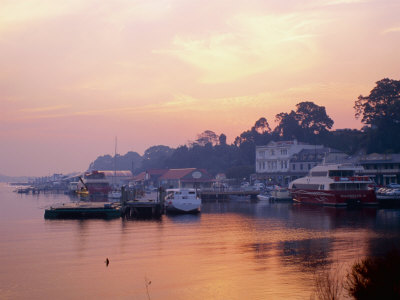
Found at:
(334, 185)
(97, 184)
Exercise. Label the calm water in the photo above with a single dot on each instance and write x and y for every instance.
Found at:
(229, 251)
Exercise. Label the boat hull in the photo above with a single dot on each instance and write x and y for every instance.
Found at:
(183, 207)
(335, 198)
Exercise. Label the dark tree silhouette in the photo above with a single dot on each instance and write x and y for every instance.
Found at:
(313, 118)
(380, 110)
(383, 103)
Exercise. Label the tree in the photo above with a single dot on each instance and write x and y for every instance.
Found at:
(383, 103)
(222, 139)
(261, 126)
(375, 277)
(288, 127)
(313, 118)
(380, 110)
(155, 156)
(207, 137)
(308, 121)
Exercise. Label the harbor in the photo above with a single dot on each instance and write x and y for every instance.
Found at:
(274, 249)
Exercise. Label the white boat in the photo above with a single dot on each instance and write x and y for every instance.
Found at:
(114, 195)
(182, 201)
(280, 194)
(335, 185)
(264, 197)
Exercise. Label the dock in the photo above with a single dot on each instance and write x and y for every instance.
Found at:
(135, 205)
(220, 194)
(84, 210)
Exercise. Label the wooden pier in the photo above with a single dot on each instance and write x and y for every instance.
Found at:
(216, 194)
(140, 205)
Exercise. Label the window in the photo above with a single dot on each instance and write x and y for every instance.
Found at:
(294, 167)
(272, 152)
(301, 166)
(263, 165)
(309, 166)
(284, 151)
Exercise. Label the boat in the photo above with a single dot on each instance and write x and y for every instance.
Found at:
(83, 211)
(334, 185)
(281, 194)
(114, 195)
(95, 184)
(388, 197)
(182, 200)
(264, 197)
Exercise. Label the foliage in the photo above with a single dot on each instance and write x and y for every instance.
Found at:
(383, 102)
(130, 161)
(328, 284)
(207, 137)
(240, 172)
(155, 157)
(309, 123)
(380, 110)
(375, 277)
(305, 124)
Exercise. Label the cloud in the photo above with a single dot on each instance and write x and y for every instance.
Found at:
(392, 30)
(254, 44)
(340, 2)
(44, 109)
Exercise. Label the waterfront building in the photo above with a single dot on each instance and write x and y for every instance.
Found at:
(186, 178)
(149, 177)
(273, 160)
(382, 168)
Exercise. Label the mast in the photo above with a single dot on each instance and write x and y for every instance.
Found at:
(115, 161)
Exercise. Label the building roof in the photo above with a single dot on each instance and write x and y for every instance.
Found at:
(109, 173)
(176, 173)
(379, 158)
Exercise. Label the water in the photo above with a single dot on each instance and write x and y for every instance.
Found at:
(229, 251)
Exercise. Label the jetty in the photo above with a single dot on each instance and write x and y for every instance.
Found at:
(136, 204)
(224, 194)
(84, 210)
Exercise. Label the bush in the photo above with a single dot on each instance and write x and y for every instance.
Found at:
(375, 277)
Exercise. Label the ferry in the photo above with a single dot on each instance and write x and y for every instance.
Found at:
(96, 183)
(334, 185)
(182, 201)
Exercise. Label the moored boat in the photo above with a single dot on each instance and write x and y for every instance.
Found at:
(334, 185)
(182, 201)
(96, 184)
(264, 197)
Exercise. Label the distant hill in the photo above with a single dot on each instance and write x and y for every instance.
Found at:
(130, 161)
(16, 179)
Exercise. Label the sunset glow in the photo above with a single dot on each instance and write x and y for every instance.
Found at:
(75, 74)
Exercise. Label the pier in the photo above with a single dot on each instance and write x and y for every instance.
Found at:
(223, 194)
(142, 205)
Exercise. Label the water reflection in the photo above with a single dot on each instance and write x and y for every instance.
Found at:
(307, 254)
(228, 251)
(184, 218)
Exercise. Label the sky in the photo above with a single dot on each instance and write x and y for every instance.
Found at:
(76, 74)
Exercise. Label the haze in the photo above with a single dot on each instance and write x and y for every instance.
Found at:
(75, 74)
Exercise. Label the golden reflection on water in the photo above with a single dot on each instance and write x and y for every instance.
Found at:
(229, 251)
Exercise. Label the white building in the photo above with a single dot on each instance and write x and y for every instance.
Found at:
(273, 160)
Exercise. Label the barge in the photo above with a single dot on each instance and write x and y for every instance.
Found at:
(83, 211)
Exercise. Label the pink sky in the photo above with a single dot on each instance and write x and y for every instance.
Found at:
(75, 74)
